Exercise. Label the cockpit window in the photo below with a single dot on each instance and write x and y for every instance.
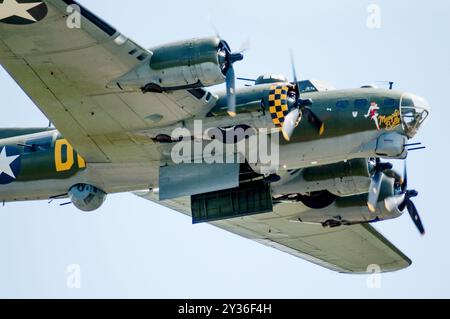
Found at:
(314, 86)
(414, 110)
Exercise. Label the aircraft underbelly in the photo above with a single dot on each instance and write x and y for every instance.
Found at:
(126, 177)
(111, 178)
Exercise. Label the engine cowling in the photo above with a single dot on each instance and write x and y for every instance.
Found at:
(353, 209)
(181, 65)
(340, 179)
(86, 197)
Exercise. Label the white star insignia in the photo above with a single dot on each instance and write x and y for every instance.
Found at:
(5, 163)
(10, 8)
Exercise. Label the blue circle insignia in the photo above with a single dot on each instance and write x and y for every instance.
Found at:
(9, 164)
(22, 12)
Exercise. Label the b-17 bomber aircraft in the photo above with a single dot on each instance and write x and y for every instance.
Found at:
(127, 119)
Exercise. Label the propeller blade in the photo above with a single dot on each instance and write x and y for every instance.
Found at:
(404, 184)
(226, 59)
(245, 46)
(301, 104)
(231, 87)
(393, 203)
(294, 71)
(374, 190)
(294, 75)
(289, 123)
(313, 120)
(213, 26)
(412, 210)
(235, 57)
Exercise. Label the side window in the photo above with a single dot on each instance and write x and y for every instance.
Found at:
(342, 104)
(361, 103)
(389, 102)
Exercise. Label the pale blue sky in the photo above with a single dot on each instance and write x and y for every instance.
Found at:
(133, 248)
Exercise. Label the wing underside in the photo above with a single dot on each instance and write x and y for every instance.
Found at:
(346, 249)
(66, 71)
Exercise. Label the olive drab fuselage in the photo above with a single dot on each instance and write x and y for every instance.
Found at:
(343, 111)
(45, 158)
(46, 155)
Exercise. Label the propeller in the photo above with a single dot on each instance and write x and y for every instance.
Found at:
(375, 183)
(226, 60)
(408, 203)
(300, 108)
(403, 198)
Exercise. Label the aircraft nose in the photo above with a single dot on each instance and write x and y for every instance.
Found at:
(414, 110)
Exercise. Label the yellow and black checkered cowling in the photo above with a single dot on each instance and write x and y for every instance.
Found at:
(278, 104)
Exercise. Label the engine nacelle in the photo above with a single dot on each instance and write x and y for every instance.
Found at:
(340, 179)
(353, 209)
(181, 65)
(86, 197)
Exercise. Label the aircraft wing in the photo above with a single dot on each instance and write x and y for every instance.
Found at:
(65, 72)
(346, 249)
